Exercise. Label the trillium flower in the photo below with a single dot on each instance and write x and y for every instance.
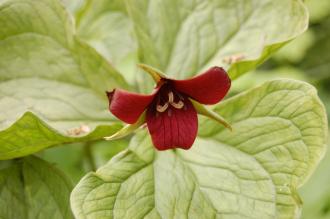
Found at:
(170, 111)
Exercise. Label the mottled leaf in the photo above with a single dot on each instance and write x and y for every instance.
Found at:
(31, 188)
(182, 38)
(278, 138)
(46, 70)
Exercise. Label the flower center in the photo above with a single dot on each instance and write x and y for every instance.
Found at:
(178, 105)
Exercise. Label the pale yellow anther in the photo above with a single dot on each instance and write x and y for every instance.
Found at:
(177, 105)
(161, 108)
(170, 97)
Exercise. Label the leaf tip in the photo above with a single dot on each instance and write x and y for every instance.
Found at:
(156, 74)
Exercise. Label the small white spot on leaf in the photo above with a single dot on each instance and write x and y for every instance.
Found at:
(83, 129)
(233, 58)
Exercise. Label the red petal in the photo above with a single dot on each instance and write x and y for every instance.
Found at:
(174, 128)
(207, 88)
(128, 106)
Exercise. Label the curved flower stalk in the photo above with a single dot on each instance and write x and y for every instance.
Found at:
(170, 111)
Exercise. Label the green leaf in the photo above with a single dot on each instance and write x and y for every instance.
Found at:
(129, 128)
(45, 69)
(316, 192)
(73, 5)
(106, 27)
(153, 72)
(182, 38)
(31, 188)
(278, 138)
(283, 125)
(203, 110)
(30, 134)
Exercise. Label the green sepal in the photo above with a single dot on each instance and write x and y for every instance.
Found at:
(128, 129)
(156, 74)
(201, 109)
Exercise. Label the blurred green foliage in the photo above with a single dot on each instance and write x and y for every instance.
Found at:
(79, 158)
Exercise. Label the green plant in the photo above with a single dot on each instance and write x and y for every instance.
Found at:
(53, 76)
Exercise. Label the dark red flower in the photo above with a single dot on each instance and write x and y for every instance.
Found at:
(171, 110)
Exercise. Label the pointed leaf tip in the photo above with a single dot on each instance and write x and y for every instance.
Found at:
(201, 109)
(156, 74)
(128, 129)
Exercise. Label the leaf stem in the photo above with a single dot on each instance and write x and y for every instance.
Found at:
(89, 156)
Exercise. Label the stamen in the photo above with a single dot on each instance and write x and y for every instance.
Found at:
(177, 105)
(170, 97)
(161, 108)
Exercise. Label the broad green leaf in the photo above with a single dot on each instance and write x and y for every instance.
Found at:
(46, 70)
(140, 183)
(182, 38)
(73, 5)
(278, 138)
(107, 28)
(30, 134)
(283, 125)
(263, 75)
(31, 189)
(316, 192)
